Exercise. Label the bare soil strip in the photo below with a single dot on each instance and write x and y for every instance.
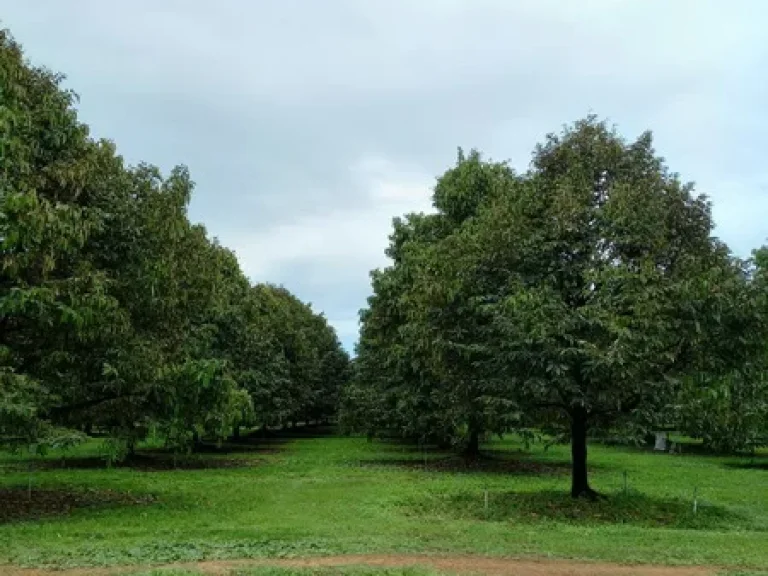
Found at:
(451, 564)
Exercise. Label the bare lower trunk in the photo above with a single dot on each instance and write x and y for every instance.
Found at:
(472, 449)
(579, 483)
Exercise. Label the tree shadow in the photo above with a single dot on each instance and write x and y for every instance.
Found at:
(756, 464)
(244, 445)
(18, 504)
(306, 431)
(492, 462)
(149, 461)
(632, 508)
(205, 455)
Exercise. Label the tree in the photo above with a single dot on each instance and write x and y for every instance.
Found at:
(727, 406)
(422, 348)
(604, 283)
(392, 391)
(115, 310)
(578, 294)
(49, 293)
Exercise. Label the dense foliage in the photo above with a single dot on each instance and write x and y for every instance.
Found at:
(587, 294)
(584, 294)
(116, 311)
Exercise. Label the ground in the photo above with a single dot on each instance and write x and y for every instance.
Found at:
(311, 501)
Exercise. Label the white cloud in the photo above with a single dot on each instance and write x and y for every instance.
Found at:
(344, 244)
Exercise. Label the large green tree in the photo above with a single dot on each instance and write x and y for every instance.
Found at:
(603, 283)
(423, 364)
(577, 295)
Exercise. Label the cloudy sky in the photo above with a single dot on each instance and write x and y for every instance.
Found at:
(309, 124)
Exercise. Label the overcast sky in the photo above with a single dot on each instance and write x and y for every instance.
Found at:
(308, 124)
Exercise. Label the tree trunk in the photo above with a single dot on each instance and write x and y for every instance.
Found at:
(472, 448)
(443, 443)
(579, 483)
(236, 432)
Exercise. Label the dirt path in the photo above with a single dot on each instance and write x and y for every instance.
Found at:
(450, 564)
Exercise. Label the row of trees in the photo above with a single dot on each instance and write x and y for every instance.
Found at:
(585, 295)
(116, 311)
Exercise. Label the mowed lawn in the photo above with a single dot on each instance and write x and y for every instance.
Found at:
(324, 495)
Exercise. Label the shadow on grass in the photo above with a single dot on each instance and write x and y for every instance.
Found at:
(756, 464)
(205, 456)
(264, 440)
(632, 508)
(150, 461)
(499, 462)
(239, 446)
(309, 431)
(19, 503)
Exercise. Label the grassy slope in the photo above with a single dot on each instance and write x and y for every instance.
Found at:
(313, 496)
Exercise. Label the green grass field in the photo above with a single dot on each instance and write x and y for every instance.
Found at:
(273, 571)
(307, 496)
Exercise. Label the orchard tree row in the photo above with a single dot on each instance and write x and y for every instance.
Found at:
(118, 313)
(584, 296)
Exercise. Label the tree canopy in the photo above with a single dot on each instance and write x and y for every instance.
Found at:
(116, 311)
(584, 296)
(580, 295)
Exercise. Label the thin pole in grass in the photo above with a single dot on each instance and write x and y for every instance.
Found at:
(695, 499)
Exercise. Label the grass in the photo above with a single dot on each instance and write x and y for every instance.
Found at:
(279, 571)
(335, 495)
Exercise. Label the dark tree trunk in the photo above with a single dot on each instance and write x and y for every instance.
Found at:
(472, 449)
(236, 432)
(579, 483)
(443, 443)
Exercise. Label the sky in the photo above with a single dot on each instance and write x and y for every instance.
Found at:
(308, 125)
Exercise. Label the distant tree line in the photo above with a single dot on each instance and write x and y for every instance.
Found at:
(584, 296)
(117, 312)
